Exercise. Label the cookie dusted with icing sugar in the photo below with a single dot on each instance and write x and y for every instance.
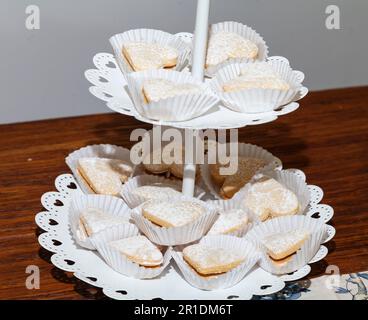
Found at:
(147, 56)
(104, 176)
(157, 191)
(282, 245)
(224, 45)
(257, 75)
(270, 199)
(247, 168)
(158, 89)
(172, 213)
(139, 250)
(243, 83)
(230, 221)
(208, 260)
(93, 220)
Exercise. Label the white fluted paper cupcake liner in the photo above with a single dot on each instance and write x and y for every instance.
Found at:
(178, 108)
(134, 200)
(291, 181)
(149, 36)
(244, 150)
(100, 151)
(227, 279)
(176, 235)
(244, 31)
(258, 100)
(108, 204)
(224, 206)
(118, 261)
(315, 228)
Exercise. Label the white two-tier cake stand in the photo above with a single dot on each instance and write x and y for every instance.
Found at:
(87, 265)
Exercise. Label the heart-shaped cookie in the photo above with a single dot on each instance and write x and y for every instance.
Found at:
(282, 245)
(209, 260)
(103, 175)
(147, 56)
(168, 214)
(139, 250)
(268, 198)
(158, 89)
(256, 75)
(226, 45)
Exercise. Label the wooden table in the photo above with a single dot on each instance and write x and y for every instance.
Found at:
(327, 138)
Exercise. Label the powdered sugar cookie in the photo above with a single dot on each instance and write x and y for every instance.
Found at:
(146, 56)
(158, 89)
(256, 75)
(282, 245)
(268, 198)
(94, 220)
(210, 260)
(139, 250)
(225, 45)
(157, 191)
(104, 176)
(172, 214)
(229, 222)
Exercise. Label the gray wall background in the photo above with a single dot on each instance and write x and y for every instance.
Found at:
(42, 70)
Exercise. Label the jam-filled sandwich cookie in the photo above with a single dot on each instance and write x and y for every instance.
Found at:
(92, 220)
(157, 191)
(281, 247)
(172, 213)
(104, 176)
(158, 89)
(225, 45)
(230, 222)
(140, 250)
(209, 260)
(257, 75)
(147, 56)
(268, 198)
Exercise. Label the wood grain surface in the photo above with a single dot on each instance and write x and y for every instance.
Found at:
(327, 138)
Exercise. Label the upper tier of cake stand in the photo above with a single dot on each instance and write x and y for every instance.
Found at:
(109, 82)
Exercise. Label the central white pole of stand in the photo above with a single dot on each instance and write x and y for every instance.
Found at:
(198, 60)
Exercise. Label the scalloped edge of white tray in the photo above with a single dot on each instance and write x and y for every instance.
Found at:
(108, 83)
(87, 266)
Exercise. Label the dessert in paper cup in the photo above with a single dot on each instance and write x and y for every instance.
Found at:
(287, 243)
(174, 222)
(166, 160)
(255, 159)
(274, 194)
(105, 168)
(147, 187)
(234, 218)
(233, 42)
(169, 95)
(216, 262)
(149, 48)
(258, 87)
(129, 253)
(91, 214)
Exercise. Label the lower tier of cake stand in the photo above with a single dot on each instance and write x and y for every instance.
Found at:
(88, 266)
